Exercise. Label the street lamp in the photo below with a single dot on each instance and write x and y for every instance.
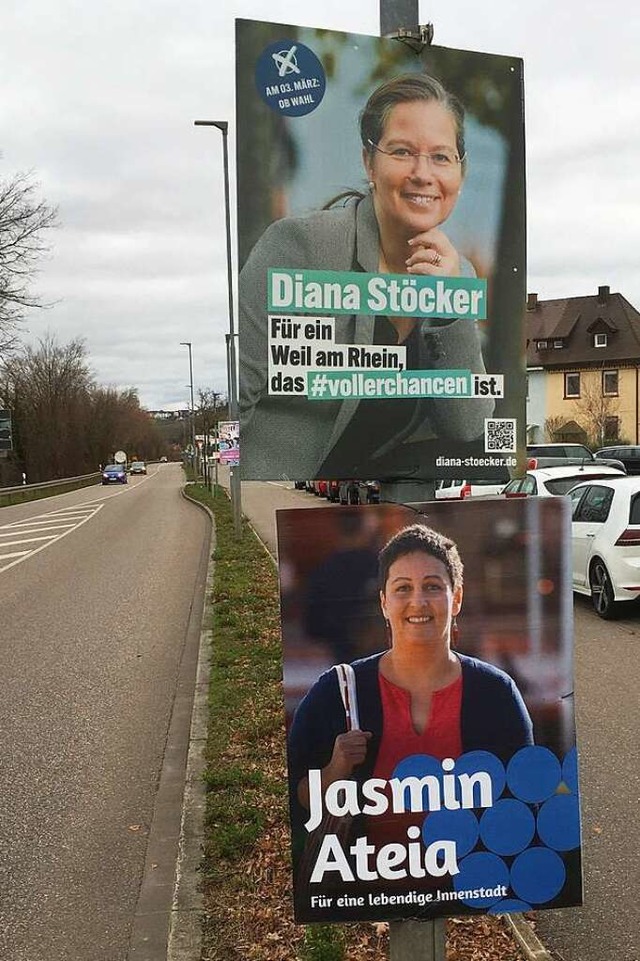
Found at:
(187, 343)
(234, 472)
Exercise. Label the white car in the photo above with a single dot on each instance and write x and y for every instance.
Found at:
(461, 489)
(605, 537)
(553, 481)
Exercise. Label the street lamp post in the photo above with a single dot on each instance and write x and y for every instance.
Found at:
(187, 343)
(234, 472)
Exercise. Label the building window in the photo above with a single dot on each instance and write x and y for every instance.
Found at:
(542, 345)
(599, 340)
(558, 343)
(611, 429)
(610, 383)
(571, 385)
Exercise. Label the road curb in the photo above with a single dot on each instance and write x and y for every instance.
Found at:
(168, 916)
(185, 925)
(526, 937)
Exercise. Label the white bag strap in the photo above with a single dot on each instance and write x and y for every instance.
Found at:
(347, 685)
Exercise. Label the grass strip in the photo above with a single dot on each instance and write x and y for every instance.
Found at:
(25, 495)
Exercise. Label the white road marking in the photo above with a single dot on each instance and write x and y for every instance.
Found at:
(52, 522)
(49, 523)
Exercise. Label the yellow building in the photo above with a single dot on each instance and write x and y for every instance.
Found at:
(583, 362)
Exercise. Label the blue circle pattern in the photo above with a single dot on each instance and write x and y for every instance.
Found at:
(538, 875)
(570, 770)
(507, 827)
(459, 826)
(481, 870)
(509, 906)
(559, 822)
(534, 775)
(474, 761)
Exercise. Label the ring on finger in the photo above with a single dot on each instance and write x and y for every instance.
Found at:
(436, 260)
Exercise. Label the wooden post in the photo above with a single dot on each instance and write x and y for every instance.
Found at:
(417, 940)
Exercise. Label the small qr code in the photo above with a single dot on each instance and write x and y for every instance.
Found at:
(500, 435)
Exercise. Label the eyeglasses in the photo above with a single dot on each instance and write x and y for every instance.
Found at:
(444, 159)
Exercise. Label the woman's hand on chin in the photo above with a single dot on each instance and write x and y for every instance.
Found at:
(432, 253)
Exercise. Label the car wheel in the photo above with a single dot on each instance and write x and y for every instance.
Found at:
(602, 596)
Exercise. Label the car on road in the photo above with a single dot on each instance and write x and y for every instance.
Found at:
(114, 474)
(137, 467)
(629, 454)
(554, 481)
(164, 459)
(605, 540)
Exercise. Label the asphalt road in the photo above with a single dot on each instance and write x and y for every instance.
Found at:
(607, 686)
(92, 632)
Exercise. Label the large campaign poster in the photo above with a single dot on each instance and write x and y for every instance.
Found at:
(381, 238)
(428, 688)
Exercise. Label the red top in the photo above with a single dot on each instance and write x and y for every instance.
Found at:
(441, 738)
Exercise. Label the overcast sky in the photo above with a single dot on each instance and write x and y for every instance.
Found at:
(99, 101)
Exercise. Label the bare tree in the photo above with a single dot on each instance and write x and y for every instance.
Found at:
(24, 220)
(597, 412)
(47, 387)
(63, 423)
(553, 426)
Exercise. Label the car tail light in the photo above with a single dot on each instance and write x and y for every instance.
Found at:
(515, 494)
(532, 463)
(629, 538)
(465, 491)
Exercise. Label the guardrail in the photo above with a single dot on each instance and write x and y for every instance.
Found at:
(60, 482)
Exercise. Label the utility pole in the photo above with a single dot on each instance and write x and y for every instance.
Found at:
(410, 940)
(187, 343)
(234, 472)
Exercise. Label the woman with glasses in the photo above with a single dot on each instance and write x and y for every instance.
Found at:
(413, 152)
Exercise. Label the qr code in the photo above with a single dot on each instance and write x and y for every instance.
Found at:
(500, 435)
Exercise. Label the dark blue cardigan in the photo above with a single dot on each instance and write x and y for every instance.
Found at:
(493, 718)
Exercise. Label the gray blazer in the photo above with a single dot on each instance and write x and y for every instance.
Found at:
(284, 438)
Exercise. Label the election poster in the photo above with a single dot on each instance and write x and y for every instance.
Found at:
(428, 685)
(229, 442)
(381, 239)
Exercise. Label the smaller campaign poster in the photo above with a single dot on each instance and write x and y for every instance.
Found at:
(229, 442)
(428, 684)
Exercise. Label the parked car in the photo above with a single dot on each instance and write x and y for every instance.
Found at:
(359, 492)
(114, 474)
(137, 467)
(369, 492)
(629, 454)
(605, 537)
(333, 491)
(349, 492)
(574, 451)
(554, 481)
(461, 489)
(545, 455)
(320, 488)
(300, 485)
(164, 459)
